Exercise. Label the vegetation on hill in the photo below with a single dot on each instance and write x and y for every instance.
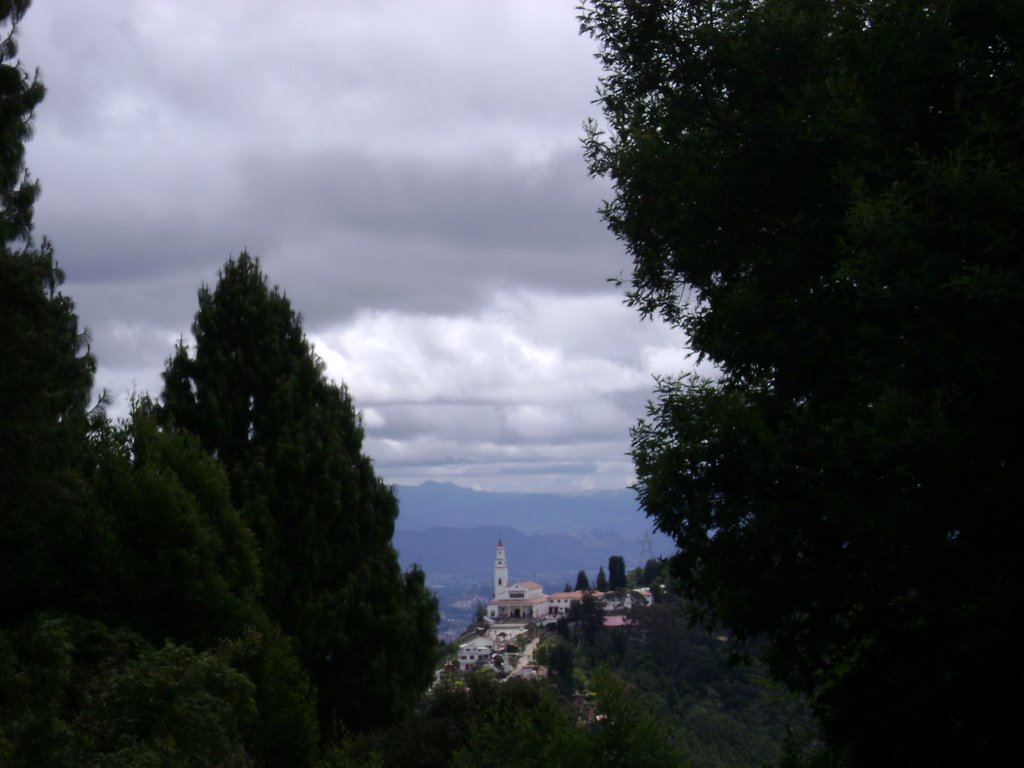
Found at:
(653, 692)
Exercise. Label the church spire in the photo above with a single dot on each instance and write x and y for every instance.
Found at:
(500, 571)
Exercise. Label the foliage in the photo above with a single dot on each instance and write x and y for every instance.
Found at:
(710, 710)
(632, 729)
(616, 573)
(518, 724)
(77, 693)
(582, 582)
(557, 655)
(46, 525)
(476, 720)
(184, 565)
(171, 706)
(284, 732)
(825, 198)
(291, 442)
(602, 580)
(19, 96)
(586, 616)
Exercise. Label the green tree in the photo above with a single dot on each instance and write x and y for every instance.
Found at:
(291, 442)
(169, 707)
(825, 198)
(520, 724)
(582, 582)
(602, 580)
(655, 571)
(633, 729)
(587, 617)
(558, 658)
(183, 565)
(48, 532)
(19, 96)
(616, 572)
(75, 692)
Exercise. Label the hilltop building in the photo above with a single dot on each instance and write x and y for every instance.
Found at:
(525, 600)
(518, 600)
(517, 605)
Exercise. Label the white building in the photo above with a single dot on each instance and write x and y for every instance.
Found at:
(475, 654)
(525, 600)
(518, 600)
(558, 603)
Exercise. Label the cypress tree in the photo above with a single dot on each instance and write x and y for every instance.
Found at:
(616, 572)
(291, 441)
(582, 582)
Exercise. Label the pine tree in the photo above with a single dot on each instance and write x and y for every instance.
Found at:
(291, 442)
(602, 580)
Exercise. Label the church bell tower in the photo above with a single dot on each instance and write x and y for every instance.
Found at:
(500, 571)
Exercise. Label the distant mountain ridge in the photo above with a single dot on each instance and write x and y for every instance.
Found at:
(451, 531)
(551, 559)
(433, 504)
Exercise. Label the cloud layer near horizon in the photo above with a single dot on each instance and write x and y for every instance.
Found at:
(409, 173)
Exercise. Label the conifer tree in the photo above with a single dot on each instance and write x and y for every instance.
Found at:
(582, 582)
(291, 442)
(616, 572)
(602, 580)
(46, 374)
(19, 96)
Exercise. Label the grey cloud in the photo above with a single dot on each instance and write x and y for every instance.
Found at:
(383, 234)
(417, 163)
(478, 204)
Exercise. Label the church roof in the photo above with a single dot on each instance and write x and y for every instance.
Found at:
(527, 585)
(519, 601)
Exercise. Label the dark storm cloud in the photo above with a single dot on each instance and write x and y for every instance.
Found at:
(398, 232)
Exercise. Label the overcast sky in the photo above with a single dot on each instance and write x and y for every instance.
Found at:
(409, 173)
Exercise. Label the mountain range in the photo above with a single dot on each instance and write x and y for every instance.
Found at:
(452, 531)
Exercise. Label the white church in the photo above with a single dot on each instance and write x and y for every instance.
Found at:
(523, 600)
(519, 604)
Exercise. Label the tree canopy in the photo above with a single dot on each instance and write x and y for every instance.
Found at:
(582, 582)
(825, 198)
(47, 370)
(19, 96)
(291, 442)
(616, 572)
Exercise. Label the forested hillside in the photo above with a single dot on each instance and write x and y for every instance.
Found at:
(651, 690)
